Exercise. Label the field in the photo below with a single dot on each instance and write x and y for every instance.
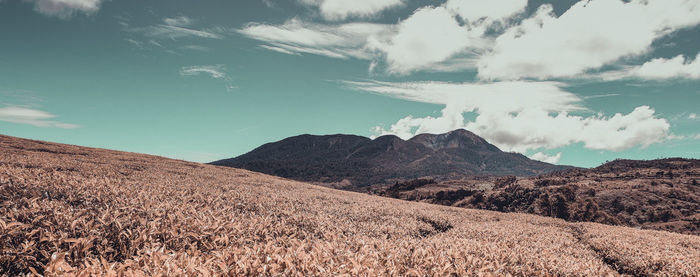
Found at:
(74, 210)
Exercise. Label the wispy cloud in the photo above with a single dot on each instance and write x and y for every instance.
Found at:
(299, 37)
(214, 71)
(65, 9)
(601, 95)
(22, 115)
(196, 48)
(171, 29)
(164, 31)
(166, 35)
(182, 21)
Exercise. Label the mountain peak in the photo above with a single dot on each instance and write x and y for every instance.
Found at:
(459, 138)
(362, 161)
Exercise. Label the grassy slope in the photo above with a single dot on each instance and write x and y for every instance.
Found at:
(74, 209)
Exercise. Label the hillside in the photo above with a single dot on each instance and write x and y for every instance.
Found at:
(352, 161)
(68, 209)
(658, 194)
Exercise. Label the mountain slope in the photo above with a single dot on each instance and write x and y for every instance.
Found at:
(658, 194)
(68, 210)
(362, 161)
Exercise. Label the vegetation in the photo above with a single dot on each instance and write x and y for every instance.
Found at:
(657, 194)
(68, 210)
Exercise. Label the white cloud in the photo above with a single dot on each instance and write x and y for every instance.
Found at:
(215, 71)
(553, 159)
(298, 37)
(418, 45)
(473, 10)
(408, 46)
(520, 116)
(65, 9)
(587, 36)
(279, 49)
(196, 48)
(33, 117)
(676, 67)
(181, 21)
(454, 37)
(342, 9)
(655, 69)
(412, 44)
(174, 28)
(164, 31)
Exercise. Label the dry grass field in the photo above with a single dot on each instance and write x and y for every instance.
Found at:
(67, 210)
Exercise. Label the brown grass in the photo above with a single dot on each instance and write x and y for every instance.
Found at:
(72, 210)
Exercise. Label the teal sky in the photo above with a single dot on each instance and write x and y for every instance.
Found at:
(205, 80)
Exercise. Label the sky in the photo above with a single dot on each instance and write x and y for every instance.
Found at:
(566, 82)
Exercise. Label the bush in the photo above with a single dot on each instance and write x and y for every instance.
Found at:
(504, 181)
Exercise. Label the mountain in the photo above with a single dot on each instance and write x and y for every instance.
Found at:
(72, 211)
(362, 161)
(657, 194)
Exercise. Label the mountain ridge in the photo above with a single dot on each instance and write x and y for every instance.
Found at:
(362, 161)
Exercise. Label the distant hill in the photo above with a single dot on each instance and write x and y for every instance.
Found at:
(362, 161)
(657, 194)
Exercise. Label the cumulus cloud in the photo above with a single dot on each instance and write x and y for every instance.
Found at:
(408, 46)
(587, 36)
(33, 117)
(475, 35)
(677, 67)
(552, 159)
(342, 9)
(298, 37)
(473, 10)
(520, 116)
(417, 45)
(65, 9)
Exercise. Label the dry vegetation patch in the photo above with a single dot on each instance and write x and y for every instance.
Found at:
(658, 194)
(73, 210)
